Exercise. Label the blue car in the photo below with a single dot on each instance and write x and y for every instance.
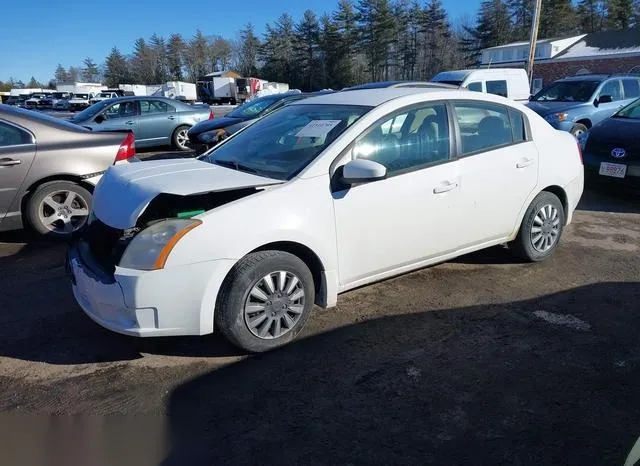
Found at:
(577, 103)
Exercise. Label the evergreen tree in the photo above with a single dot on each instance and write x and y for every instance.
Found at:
(74, 74)
(377, 31)
(557, 19)
(158, 54)
(345, 21)
(219, 53)
(493, 27)
(437, 36)
(620, 14)
(33, 83)
(61, 74)
(591, 15)
(277, 51)
(116, 69)
(522, 16)
(307, 37)
(175, 51)
(142, 65)
(90, 71)
(248, 51)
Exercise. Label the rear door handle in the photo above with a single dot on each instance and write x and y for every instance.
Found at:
(9, 162)
(171, 117)
(445, 187)
(129, 123)
(524, 163)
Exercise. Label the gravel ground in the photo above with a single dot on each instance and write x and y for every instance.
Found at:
(482, 360)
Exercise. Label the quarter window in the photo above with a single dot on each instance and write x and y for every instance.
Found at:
(485, 126)
(12, 136)
(497, 88)
(409, 140)
(475, 87)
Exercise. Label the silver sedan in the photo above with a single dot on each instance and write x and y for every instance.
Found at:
(155, 121)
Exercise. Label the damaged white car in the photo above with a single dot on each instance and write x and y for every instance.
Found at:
(322, 196)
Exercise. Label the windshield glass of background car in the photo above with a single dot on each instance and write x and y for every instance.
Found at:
(92, 111)
(631, 111)
(568, 91)
(284, 142)
(253, 108)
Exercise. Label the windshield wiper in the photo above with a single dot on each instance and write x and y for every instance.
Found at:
(236, 166)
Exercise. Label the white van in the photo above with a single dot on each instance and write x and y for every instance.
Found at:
(507, 82)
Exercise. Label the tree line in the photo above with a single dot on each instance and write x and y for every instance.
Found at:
(360, 41)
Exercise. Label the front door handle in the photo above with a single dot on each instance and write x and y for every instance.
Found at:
(171, 117)
(9, 162)
(445, 187)
(524, 163)
(129, 123)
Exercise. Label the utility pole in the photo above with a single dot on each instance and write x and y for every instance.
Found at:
(535, 25)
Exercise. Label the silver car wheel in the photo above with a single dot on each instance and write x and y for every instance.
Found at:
(182, 138)
(63, 212)
(274, 305)
(546, 228)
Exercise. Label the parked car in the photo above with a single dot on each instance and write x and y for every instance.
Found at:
(80, 101)
(612, 147)
(156, 121)
(63, 104)
(35, 101)
(22, 99)
(207, 134)
(319, 197)
(50, 102)
(577, 103)
(512, 83)
(48, 169)
(105, 95)
(13, 100)
(401, 84)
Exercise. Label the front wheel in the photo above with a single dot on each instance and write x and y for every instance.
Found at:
(541, 228)
(579, 130)
(180, 138)
(265, 301)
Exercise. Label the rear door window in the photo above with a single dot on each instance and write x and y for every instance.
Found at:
(497, 88)
(631, 88)
(12, 136)
(485, 126)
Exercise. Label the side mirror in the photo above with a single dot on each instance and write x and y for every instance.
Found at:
(99, 119)
(362, 171)
(603, 99)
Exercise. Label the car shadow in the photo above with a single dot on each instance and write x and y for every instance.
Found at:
(607, 197)
(40, 321)
(552, 380)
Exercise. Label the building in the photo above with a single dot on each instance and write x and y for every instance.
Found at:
(598, 53)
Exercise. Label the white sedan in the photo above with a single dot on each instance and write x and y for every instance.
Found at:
(325, 195)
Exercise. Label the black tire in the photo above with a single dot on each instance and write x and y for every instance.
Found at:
(36, 209)
(578, 129)
(177, 134)
(523, 246)
(235, 291)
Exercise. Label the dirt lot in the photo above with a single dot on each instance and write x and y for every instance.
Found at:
(478, 361)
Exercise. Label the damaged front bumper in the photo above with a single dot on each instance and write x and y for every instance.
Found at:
(167, 302)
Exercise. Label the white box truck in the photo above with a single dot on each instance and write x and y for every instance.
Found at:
(215, 90)
(179, 90)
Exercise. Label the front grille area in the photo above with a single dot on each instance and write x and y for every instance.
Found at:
(106, 244)
(603, 150)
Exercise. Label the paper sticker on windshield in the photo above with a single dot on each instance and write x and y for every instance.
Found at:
(317, 128)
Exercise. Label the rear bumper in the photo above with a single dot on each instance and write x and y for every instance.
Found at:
(592, 169)
(574, 190)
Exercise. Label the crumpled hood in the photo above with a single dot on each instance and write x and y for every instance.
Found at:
(125, 191)
(547, 108)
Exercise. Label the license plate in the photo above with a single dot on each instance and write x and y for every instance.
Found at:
(616, 170)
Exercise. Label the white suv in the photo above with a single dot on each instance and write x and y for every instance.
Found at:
(322, 196)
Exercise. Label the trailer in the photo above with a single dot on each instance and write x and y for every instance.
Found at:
(217, 90)
(178, 90)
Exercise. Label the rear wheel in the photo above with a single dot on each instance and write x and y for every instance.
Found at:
(541, 228)
(58, 209)
(180, 138)
(265, 301)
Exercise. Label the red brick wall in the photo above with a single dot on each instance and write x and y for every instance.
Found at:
(551, 71)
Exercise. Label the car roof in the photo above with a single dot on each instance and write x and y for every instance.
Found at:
(391, 84)
(587, 77)
(371, 97)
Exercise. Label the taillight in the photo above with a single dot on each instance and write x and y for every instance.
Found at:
(211, 115)
(127, 149)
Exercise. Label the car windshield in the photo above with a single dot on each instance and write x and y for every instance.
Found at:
(80, 96)
(104, 94)
(38, 96)
(567, 91)
(60, 95)
(630, 112)
(253, 108)
(284, 142)
(90, 112)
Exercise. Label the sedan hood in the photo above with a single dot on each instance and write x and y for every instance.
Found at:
(547, 108)
(216, 123)
(125, 191)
